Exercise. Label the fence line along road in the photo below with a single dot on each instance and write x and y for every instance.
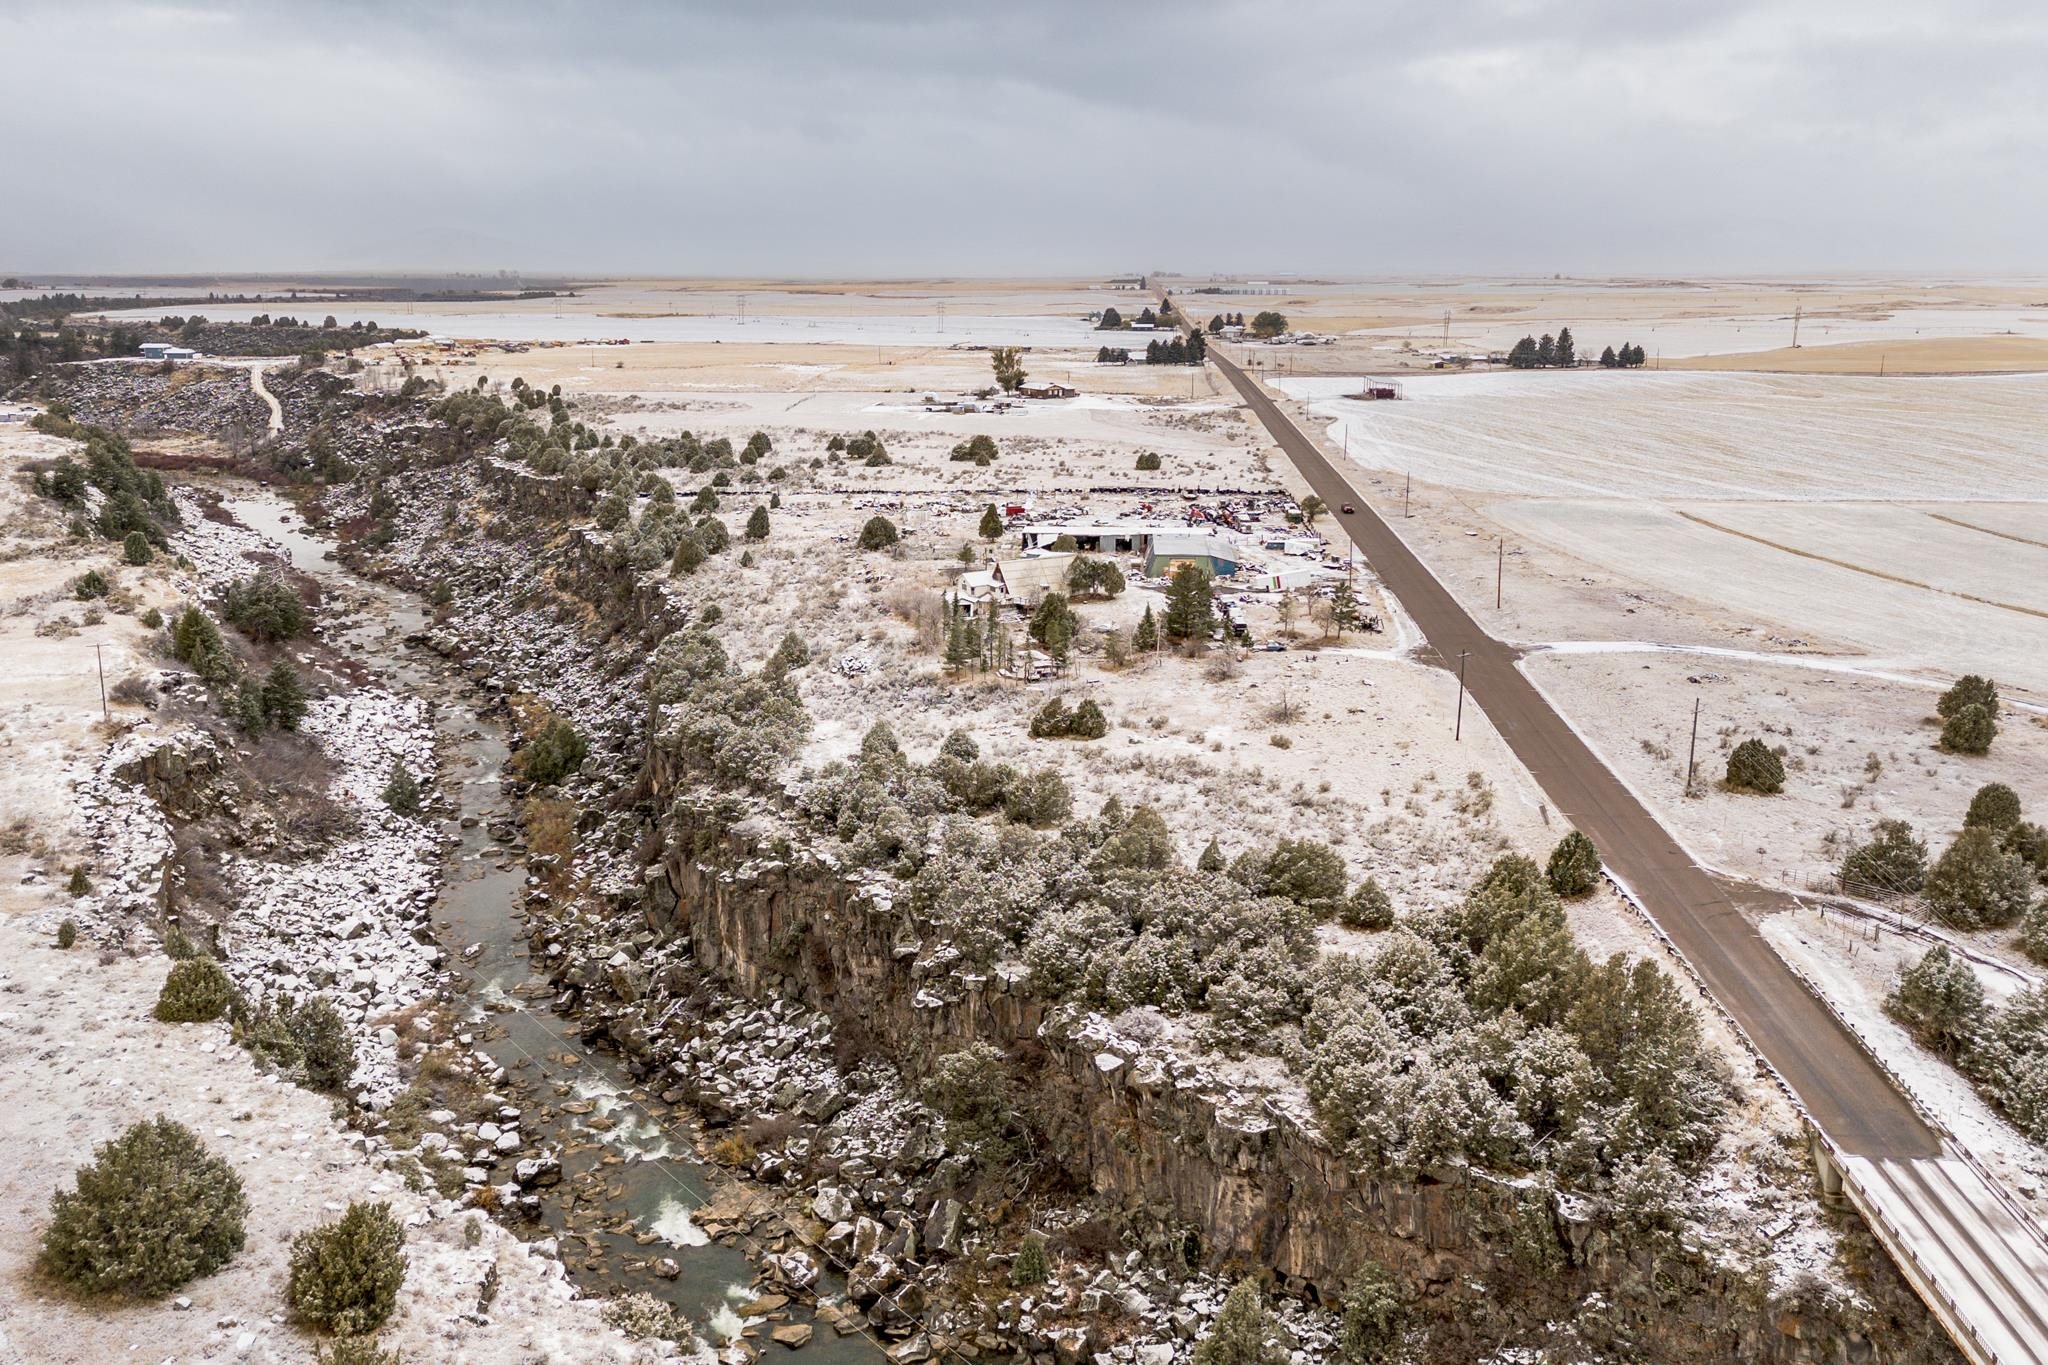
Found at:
(1984, 1274)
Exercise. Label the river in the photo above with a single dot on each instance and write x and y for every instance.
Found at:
(655, 1179)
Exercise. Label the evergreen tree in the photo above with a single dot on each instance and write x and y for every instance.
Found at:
(153, 1210)
(1894, 860)
(402, 792)
(1189, 604)
(1969, 731)
(1546, 351)
(878, 534)
(1995, 806)
(991, 527)
(757, 524)
(1977, 884)
(1574, 868)
(1968, 690)
(1753, 767)
(1940, 1001)
(284, 699)
(1111, 320)
(1607, 358)
(345, 1275)
(1146, 638)
(1244, 1333)
(1522, 356)
(1216, 324)
(1567, 349)
(1211, 859)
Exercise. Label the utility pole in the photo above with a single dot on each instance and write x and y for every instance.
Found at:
(1692, 749)
(1447, 327)
(1459, 731)
(743, 310)
(1797, 309)
(102, 659)
(1500, 563)
(1406, 488)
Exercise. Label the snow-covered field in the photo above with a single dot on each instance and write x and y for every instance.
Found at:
(1671, 434)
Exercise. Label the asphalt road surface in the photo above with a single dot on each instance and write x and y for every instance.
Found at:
(1851, 1099)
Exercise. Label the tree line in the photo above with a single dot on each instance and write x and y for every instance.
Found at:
(1562, 352)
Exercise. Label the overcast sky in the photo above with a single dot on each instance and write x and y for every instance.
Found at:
(897, 137)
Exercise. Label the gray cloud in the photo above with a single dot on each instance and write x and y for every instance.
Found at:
(921, 136)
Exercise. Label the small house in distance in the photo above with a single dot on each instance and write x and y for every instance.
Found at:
(1046, 388)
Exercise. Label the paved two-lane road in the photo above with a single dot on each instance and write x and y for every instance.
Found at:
(1981, 1269)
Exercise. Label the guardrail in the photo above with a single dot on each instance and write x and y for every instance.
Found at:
(1895, 1242)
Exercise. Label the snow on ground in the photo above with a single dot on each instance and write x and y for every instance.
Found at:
(340, 924)
(220, 552)
(1673, 434)
(90, 1061)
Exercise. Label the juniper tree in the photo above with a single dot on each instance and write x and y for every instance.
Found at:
(1969, 731)
(135, 548)
(153, 1210)
(1753, 767)
(991, 523)
(1212, 859)
(1367, 907)
(1940, 1001)
(878, 534)
(1969, 690)
(1977, 884)
(757, 524)
(1574, 868)
(1894, 859)
(345, 1275)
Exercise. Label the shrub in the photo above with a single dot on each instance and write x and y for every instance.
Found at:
(1148, 461)
(1894, 860)
(1977, 884)
(1244, 1333)
(152, 619)
(971, 1088)
(642, 1316)
(1969, 731)
(959, 744)
(67, 933)
(265, 608)
(154, 1210)
(196, 641)
(2032, 939)
(402, 792)
(2010, 1061)
(757, 524)
(79, 884)
(1969, 690)
(328, 1052)
(1305, 871)
(135, 548)
(2028, 842)
(555, 753)
(89, 585)
(1574, 868)
(177, 947)
(1367, 907)
(1940, 1001)
(979, 450)
(878, 534)
(1212, 858)
(345, 1274)
(357, 1351)
(1032, 1266)
(1055, 721)
(689, 556)
(1040, 798)
(1995, 806)
(1754, 768)
(195, 991)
